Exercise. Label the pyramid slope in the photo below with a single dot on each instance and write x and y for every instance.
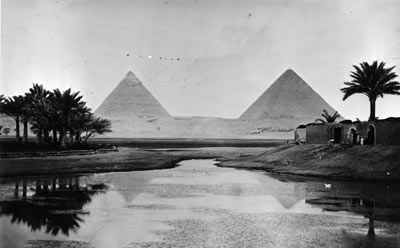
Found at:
(290, 97)
(131, 98)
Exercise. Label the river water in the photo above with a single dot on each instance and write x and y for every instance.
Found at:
(196, 204)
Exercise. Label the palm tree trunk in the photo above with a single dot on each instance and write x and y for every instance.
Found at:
(24, 186)
(54, 135)
(16, 190)
(39, 136)
(46, 135)
(71, 136)
(371, 229)
(25, 140)
(17, 136)
(61, 138)
(372, 109)
(78, 137)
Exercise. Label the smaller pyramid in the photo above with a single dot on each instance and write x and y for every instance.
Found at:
(131, 99)
(288, 97)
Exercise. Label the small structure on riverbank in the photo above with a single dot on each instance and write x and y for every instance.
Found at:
(381, 132)
(300, 134)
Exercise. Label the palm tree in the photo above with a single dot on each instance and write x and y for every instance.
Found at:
(327, 117)
(61, 112)
(66, 106)
(96, 125)
(14, 107)
(79, 122)
(37, 96)
(372, 80)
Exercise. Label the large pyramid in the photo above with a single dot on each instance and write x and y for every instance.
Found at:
(135, 113)
(288, 97)
(131, 99)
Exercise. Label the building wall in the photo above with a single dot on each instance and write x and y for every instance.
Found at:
(317, 134)
(387, 133)
(321, 134)
(347, 135)
(361, 129)
(300, 135)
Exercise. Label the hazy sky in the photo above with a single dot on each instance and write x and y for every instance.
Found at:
(229, 51)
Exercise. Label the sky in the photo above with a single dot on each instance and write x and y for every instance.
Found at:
(198, 57)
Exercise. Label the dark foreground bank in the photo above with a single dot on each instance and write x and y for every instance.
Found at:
(338, 162)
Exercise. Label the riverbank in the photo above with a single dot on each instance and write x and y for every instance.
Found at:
(11, 149)
(187, 143)
(373, 163)
(125, 159)
(55, 153)
(381, 163)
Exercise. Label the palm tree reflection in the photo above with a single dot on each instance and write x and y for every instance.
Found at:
(373, 209)
(55, 204)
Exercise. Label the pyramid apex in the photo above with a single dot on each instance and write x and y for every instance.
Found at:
(290, 71)
(130, 79)
(129, 74)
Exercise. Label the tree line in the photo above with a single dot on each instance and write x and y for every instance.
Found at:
(59, 117)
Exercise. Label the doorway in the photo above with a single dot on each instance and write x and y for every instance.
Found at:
(354, 136)
(337, 135)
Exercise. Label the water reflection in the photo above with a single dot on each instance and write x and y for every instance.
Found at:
(198, 201)
(372, 209)
(375, 201)
(52, 203)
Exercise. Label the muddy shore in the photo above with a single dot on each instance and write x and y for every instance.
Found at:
(342, 163)
(125, 159)
(380, 163)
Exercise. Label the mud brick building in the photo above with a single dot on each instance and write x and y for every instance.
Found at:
(381, 132)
